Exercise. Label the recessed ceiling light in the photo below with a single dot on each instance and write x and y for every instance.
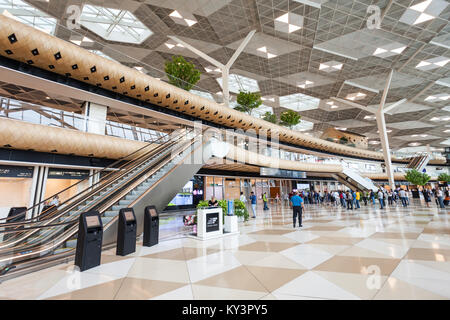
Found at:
(170, 46)
(333, 107)
(379, 51)
(190, 22)
(399, 50)
(284, 18)
(262, 49)
(423, 17)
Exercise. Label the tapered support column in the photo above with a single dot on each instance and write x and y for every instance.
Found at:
(95, 117)
(383, 134)
(225, 69)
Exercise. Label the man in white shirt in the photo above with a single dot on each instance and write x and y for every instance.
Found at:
(440, 197)
(380, 198)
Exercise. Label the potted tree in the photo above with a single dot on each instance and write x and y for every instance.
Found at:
(290, 118)
(247, 101)
(181, 73)
(444, 177)
(241, 210)
(270, 117)
(417, 178)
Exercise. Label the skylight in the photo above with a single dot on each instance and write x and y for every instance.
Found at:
(299, 102)
(432, 63)
(101, 54)
(438, 97)
(356, 96)
(423, 11)
(389, 50)
(114, 24)
(330, 66)
(203, 94)
(289, 22)
(261, 110)
(305, 84)
(266, 52)
(185, 18)
(28, 15)
(238, 83)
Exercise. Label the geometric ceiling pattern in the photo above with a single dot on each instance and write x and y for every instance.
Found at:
(318, 56)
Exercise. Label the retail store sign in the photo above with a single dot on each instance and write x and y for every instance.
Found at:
(16, 172)
(273, 172)
(67, 174)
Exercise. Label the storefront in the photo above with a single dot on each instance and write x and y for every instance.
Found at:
(61, 179)
(17, 183)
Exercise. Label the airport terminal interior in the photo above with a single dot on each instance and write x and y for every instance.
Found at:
(224, 150)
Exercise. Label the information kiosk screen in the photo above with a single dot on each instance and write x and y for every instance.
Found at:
(129, 216)
(93, 221)
(153, 212)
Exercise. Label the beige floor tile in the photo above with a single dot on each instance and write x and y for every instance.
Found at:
(160, 269)
(273, 278)
(32, 285)
(359, 265)
(104, 291)
(202, 292)
(270, 232)
(395, 289)
(272, 238)
(276, 260)
(325, 228)
(356, 251)
(360, 285)
(394, 235)
(144, 289)
(174, 254)
(267, 246)
(336, 241)
(238, 278)
(440, 255)
(442, 230)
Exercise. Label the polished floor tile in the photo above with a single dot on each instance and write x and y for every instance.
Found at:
(400, 253)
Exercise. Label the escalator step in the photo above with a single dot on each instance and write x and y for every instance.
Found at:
(126, 202)
(112, 213)
(117, 208)
(105, 220)
(131, 197)
(62, 250)
(71, 243)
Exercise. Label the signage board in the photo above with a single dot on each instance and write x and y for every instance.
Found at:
(16, 172)
(274, 172)
(55, 173)
(212, 222)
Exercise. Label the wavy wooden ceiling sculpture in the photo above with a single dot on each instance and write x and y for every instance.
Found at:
(26, 44)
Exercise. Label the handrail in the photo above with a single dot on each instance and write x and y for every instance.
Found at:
(57, 238)
(77, 183)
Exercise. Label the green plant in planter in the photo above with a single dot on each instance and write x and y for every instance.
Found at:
(290, 118)
(247, 101)
(202, 204)
(343, 140)
(240, 209)
(270, 117)
(417, 178)
(181, 73)
(444, 177)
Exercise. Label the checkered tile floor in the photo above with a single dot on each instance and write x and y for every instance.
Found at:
(396, 253)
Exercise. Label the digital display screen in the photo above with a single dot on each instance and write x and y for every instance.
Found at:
(153, 212)
(212, 222)
(302, 186)
(129, 216)
(93, 221)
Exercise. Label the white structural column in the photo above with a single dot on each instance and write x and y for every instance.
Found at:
(224, 68)
(383, 134)
(94, 117)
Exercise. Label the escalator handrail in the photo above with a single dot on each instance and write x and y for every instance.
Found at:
(59, 239)
(23, 236)
(111, 166)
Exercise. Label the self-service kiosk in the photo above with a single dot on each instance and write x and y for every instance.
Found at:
(89, 241)
(151, 226)
(126, 232)
(15, 214)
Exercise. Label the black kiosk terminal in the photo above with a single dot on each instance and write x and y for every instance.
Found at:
(126, 232)
(89, 241)
(151, 226)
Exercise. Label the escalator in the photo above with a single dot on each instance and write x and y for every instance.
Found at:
(419, 162)
(147, 177)
(354, 180)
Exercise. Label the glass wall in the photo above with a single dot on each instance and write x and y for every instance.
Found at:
(15, 187)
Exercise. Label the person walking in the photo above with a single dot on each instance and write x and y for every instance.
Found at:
(297, 208)
(265, 200)
(390, 198)
(357, 198)
(341, 197)
(253, 203)
(372, 196)
(402, 195)
(440, 197)
(349, 197)
(365, 194)
(427, 196)
(380, 199)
